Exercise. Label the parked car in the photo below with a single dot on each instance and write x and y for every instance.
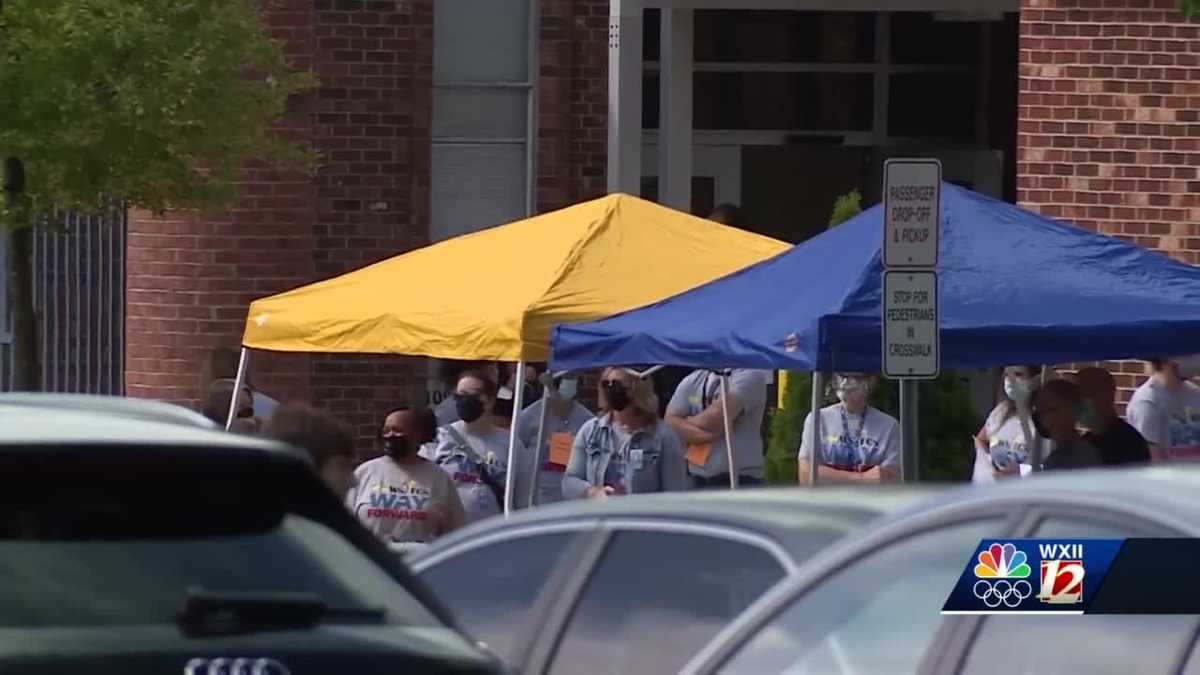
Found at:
(871, 603)
(633, 584)
(137, 545)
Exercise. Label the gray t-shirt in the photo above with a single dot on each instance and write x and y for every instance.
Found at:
(1168, 419)
(873, 439)
(405, 503)
(699, 390)
(558, 430)
(466, 467)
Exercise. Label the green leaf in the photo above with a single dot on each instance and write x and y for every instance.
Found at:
(157, 102)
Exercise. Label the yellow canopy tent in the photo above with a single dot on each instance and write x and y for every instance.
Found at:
(463, 298)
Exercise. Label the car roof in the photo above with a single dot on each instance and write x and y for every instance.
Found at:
(1169, 491)
(117, 405)
(777, 513)
(34, 425)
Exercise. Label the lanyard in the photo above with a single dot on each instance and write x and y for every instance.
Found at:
(853, 444)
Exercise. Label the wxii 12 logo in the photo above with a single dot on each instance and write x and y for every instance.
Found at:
(1062, 574)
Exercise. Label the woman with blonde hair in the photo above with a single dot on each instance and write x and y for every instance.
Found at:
(627, 448)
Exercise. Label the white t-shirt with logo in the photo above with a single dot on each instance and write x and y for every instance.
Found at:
(873, 439)
(1168, 419)
(465, 467)
(405, 503)
(1006, 443)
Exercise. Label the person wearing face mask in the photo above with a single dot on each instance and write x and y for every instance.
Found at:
(1166, 409)
(505, 397)
(1117, 441)
(402, 497)
(859, 444)
(564, 418)
(1002, 446)
(1056, 408)
(626, 449)
(474, 451)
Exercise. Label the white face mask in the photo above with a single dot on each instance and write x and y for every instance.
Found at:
(567, 389)
(1017, 389)
(852, 392)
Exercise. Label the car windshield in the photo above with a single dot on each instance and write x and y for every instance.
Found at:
(94, 544)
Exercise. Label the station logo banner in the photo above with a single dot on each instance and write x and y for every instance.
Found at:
(1032, 576)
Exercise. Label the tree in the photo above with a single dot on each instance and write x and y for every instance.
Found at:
(146, 104)
(1190, 8)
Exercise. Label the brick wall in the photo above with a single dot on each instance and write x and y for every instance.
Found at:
(572, 102)
(1109, 105)
(191, 277)
(1108, 133)
(375, 62)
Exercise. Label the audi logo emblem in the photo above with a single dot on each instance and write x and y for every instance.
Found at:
(240, 666)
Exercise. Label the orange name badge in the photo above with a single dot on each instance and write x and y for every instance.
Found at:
(560, 448)
(697, 453)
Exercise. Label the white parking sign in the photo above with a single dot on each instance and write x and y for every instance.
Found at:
(912, 203)
(911, 339)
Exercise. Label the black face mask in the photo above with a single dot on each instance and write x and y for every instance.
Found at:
(617, 395)
(396, 446)
(469, 406)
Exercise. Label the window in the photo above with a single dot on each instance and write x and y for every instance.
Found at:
(90, 536)
(492, 589)
(1089, 643)
(784, 101)
(656, 598)
(877, 615)
(482, 152)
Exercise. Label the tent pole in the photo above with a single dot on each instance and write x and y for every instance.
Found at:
(910, 430)
(733, 474)
(238, 383)
(814, 458)
(538, 459)
(510, 470)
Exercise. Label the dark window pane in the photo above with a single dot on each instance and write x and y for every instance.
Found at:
(875, 617)
(783, 101)
(918, 38)
(492, 589)
(783, 36)
(650, 101)
(940, 105)
(657, 598)
(651, 34)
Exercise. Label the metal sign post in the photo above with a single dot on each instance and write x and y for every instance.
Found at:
(910, 329)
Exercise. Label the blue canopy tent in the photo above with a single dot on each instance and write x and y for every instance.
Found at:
(1014, 287)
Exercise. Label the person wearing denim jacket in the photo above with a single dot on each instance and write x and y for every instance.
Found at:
(626, 449)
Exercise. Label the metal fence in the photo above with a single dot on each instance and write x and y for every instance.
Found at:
(79, 297)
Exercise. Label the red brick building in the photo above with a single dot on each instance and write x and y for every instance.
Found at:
(435, 117)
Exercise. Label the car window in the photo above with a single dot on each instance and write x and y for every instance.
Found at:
(144, 581)
(93, 536)
(877, 614)
(492, 589)
(658, 597)
(1088, 643)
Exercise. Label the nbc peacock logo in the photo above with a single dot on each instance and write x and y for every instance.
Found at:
(1002, 573)
(1002, 562)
